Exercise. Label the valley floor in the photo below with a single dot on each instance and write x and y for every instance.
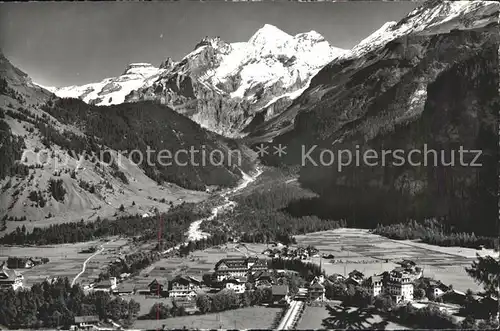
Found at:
(66, 260)
(373, 254)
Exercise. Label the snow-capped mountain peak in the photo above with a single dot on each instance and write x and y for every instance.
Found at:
(238, 80)
(269, 34)
(435, 16)
(271, 65)
(112, 90)
(140, 69)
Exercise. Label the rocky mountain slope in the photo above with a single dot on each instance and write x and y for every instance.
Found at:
(434, 82)
(223, 86)
(433, 17)
(63, 159)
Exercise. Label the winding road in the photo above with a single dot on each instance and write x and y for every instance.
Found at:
(85, 265)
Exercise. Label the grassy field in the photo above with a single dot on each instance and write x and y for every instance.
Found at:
(244, 318)
(373, 254)
(321, 318)
(65, 260)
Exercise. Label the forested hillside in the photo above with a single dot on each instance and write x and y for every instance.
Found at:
(143, 125)
(436, 90)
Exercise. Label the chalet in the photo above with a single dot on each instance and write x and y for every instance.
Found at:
(125, 289)
(316, 292)
(279, 294)
(10, 279)
(86, 322)
(238, 267)
(261, 276)
(107, 285)
(235, 284)
(355, 277)
(375, 285)
(183, 286)
(156, 287)
(320, 279)
(438, 289)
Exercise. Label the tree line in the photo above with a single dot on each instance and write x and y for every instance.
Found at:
(434, 233)
(55, 304)
(175, 223)
(263, 216)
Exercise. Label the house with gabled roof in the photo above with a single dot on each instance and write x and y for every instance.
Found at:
(183, 286)
(438, 289)
(87, 322)
(280, 293)
(125, 289)
(316, 292)
(10, 279)
(355, 277)
(156, 287)
(263, 276)
(106, 285)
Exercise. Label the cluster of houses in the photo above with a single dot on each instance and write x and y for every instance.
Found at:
(231, 273)
(284, 252)
(243, 273)
(398, 283)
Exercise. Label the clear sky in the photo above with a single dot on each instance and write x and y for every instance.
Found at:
(68, 43)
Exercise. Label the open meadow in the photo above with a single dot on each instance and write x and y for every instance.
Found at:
(66, 260)
(244, 318)
(372, 254)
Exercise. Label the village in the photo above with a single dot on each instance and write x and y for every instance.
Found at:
(285, 279)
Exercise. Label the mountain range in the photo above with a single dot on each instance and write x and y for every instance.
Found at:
(221, 86)
(430, 78)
